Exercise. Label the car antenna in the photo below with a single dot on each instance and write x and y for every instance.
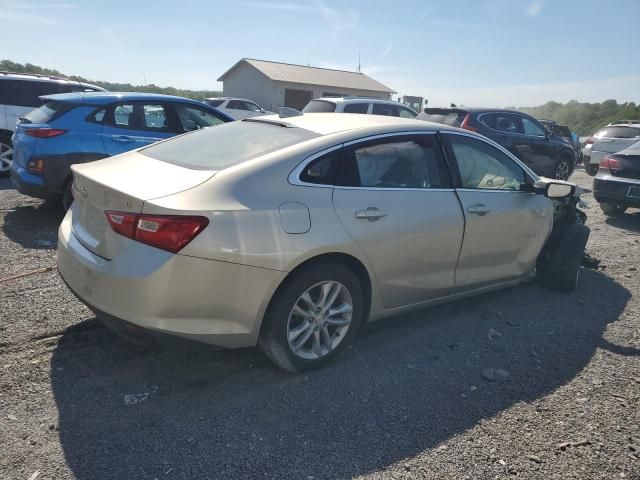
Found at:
(286, 112)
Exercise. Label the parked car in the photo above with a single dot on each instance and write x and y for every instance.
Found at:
(237, 108)
(611, 139)
(291, 232)
(82, 127)
(366, 105)
(544, 152)
(19, 94)
(565, 132)
(617, 185)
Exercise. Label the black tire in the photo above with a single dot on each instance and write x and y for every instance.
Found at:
(67, 195)
(5, 140)
(558, 266)
(564, 168)
(591, 169)
(612, 210)
(273, 336)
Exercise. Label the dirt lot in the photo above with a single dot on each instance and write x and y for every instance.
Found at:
(408, 400)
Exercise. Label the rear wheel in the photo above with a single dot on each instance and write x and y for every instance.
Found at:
(6, 154)
(611, 210)
(591, 169)
(558, 267)
(313, 317)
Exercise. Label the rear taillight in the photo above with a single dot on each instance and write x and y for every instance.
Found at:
(167, 232)
(589, 141)
(35, 166)
(44, 132)
(611, 164)
(465, 124)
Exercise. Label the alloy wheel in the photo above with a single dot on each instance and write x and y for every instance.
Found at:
(6, 156)
(319, 320)
(562, 171)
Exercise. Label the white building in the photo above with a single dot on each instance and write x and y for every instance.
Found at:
(274, 84)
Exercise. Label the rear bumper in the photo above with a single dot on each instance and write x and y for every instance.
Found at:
(27, 183)
(615, 190)
(205, 300)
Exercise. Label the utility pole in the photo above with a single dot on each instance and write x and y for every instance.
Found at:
(359, 62)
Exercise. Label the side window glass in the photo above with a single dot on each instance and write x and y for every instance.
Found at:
(483, 166)
(98, 117)
(321, 171)
(123, 115)
(155, 117)
(252, 107)
(406, 162)
(385, 109)
(405, 113)
(507, 123)
(356, 108)
(237, 105)
(531, 128)
(193, 118)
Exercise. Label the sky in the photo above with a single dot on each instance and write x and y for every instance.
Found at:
(473, 52)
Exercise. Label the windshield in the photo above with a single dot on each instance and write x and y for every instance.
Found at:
(45, 113)
(222, 146)
(445, 117)
(619, 132)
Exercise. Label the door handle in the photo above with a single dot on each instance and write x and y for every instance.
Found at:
(121, 139)
(370, 213)
(478, 209)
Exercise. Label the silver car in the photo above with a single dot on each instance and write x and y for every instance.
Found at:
(292, 232)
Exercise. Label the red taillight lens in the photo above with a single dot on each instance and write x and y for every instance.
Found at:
(611, 164)
(589, 141)
(36, 166)
(167, 232)
(44, 132)
(466, 126)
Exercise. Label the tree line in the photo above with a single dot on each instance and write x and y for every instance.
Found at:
(9, 66)
(585, 118)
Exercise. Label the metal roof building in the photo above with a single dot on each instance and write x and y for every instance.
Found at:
(274, 84)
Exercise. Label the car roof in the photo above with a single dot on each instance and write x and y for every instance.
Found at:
(473, 110)
(624, 124)
(356, 99)
(229, 98)
(36, 77)
(330, 123)
(101, 98)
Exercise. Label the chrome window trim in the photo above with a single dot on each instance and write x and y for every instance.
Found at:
(294, 176)
(503, 131)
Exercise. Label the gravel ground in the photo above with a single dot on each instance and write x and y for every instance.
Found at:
(408, 400)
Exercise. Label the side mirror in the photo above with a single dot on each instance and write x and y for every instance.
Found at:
(558, 191)
(262, 110)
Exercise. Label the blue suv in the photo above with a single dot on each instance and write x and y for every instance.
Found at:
(82, 127)
(544, 152)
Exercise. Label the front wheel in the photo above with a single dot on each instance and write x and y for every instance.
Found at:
(313, 317)
(6, 154)
(611, 210)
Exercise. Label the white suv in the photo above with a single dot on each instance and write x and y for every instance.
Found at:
(371, 106)
(237, 108)
(19, 94)
(610, 139)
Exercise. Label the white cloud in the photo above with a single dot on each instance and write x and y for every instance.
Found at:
(387, 50)
(534, 8)
(452, 24)
(28, 18)
(337, 19)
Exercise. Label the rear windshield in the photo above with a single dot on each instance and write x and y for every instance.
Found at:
(319, 106)
(45, 113)
(445, 117)
(214, 103)
(619, 132)
(222, 146)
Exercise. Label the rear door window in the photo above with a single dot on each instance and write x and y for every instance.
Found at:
(411, 161)
(155, 117)
(503, 122)
(122, 115)
(356, 108)
(619, 132)
(214, 103)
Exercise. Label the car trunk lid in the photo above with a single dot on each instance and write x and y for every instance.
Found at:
(122, 183)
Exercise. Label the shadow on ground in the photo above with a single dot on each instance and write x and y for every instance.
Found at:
(34, 225)
(628, 221)
(212, 413)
